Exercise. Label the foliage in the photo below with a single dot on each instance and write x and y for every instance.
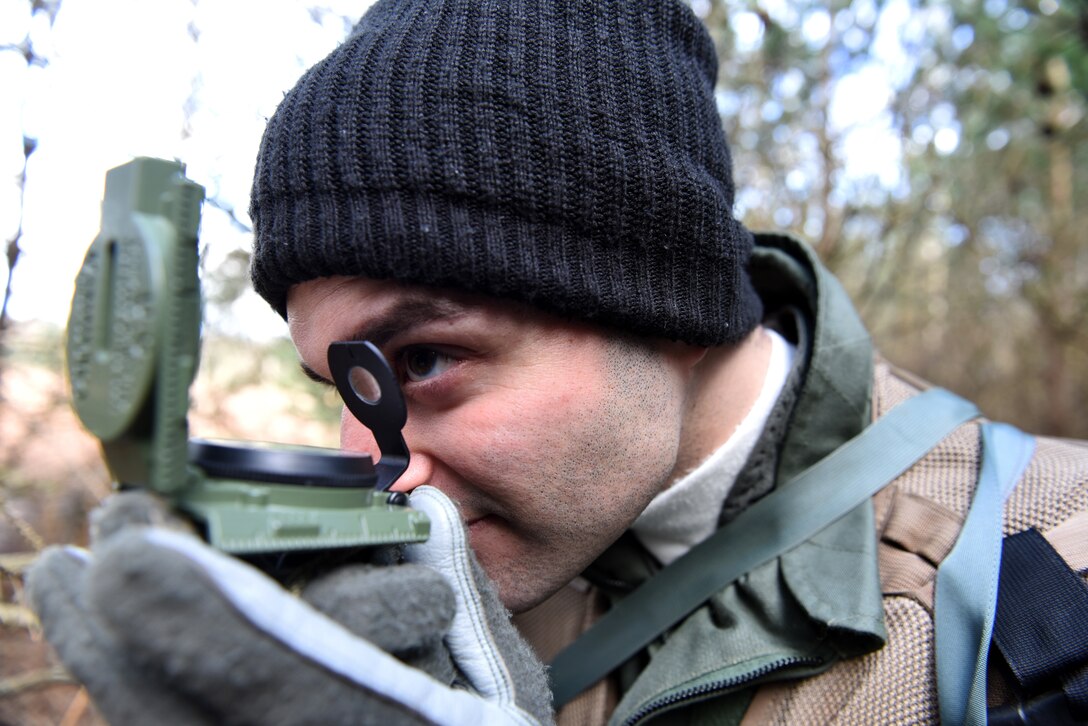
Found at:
(933, 153)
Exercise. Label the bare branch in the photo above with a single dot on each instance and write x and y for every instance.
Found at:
(232, 215)
(13, 249)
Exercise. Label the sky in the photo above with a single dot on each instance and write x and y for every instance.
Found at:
(119, 76)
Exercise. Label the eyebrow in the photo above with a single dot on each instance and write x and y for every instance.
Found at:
(406, 314)
(398, 318)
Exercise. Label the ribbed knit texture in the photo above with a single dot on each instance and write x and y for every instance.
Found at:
(566, 153)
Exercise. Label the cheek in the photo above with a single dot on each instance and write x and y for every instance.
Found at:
(590, 440)
(524, 420)
(567, 468)
(627, 437)
(510, 445)
(487, 439)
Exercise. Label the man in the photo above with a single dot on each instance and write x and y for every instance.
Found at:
(528, 208)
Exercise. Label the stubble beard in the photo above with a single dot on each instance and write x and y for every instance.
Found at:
(628, 442)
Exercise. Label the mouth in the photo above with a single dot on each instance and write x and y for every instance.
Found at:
(475, 521)
(478, 526)
(479, 520)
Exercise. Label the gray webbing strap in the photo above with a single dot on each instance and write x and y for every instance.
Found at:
(775, 524)
(966, 591)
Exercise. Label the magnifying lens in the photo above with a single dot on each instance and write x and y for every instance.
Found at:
(371, 392)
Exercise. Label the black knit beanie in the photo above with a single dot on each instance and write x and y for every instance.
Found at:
(566, 153)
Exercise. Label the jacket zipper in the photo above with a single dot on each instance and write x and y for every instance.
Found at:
(729, 683)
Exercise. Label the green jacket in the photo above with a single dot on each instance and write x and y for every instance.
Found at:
(841, 628)
(818, 603)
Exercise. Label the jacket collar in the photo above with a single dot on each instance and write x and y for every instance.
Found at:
(818, 602)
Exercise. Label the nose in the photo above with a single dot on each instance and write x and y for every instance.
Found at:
(356, 437)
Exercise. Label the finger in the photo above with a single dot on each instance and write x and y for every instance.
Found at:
(484, 644)
(233, 639)
(123, 694)
(54, 585)
(135, 508)
(403, 609)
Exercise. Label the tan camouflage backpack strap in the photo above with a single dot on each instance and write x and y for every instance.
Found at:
(1070, 540)
(916, 536)
(918, 518)
(1045, 548)
(917, 531)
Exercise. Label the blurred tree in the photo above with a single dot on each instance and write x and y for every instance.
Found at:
(933, 153)
(1013, 183)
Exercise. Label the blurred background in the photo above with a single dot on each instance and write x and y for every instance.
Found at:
(932, 152)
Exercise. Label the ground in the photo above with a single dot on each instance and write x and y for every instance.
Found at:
(52, 476)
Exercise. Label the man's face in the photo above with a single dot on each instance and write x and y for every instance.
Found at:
(550, 435)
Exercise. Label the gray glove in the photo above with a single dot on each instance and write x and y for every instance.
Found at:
(161, 628)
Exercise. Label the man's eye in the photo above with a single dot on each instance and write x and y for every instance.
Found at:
(423, 363)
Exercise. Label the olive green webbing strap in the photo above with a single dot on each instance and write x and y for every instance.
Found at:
(782, 520)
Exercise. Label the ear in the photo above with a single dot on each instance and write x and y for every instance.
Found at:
(684, 356)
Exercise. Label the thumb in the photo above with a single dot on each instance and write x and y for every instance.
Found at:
(483, 642)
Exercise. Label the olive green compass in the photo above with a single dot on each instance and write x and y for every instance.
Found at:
(133, 347)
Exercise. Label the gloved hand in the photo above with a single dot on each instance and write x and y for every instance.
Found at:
(161, 628)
